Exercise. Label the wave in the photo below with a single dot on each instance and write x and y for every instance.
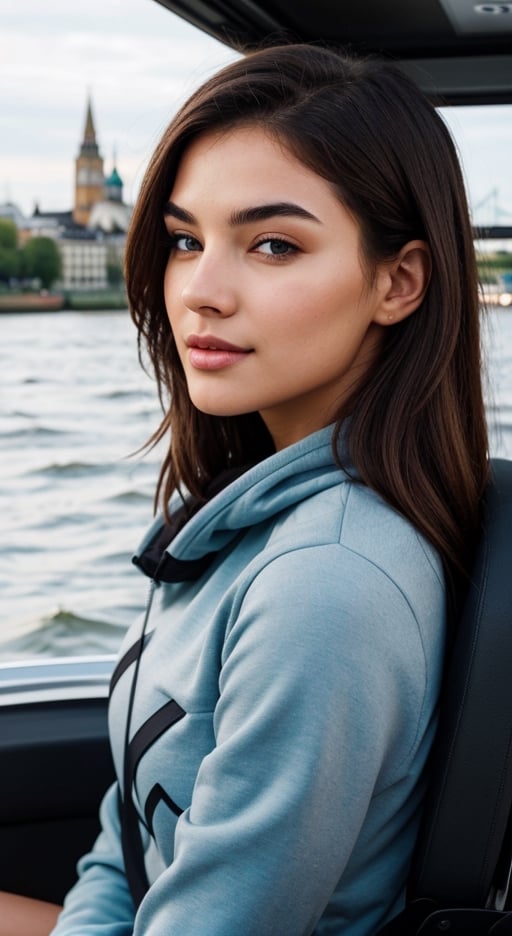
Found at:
(132, 497)
(33, 433)
(120, 394)
(72, 469)
(65, 633)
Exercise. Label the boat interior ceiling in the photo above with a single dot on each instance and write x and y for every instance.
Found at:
(459, 51)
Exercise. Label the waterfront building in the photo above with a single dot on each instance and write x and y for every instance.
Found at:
(91, 235)
(11, 212)
(84, 260)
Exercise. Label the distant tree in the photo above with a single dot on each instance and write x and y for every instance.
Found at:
(41, 260)
(9, 264)
(8, 234)
(9, 253)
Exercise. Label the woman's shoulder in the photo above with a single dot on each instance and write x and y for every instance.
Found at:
(374, 529)
(346, 568)
(348, 586)
(354, 519)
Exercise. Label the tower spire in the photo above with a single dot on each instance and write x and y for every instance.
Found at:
(89, 146)
(89, 178)
(90, 131)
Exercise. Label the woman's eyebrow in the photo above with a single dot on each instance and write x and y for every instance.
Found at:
(247, 215)
(273, 210)
(174, 211)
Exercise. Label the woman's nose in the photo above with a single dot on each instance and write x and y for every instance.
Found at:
(210, 288)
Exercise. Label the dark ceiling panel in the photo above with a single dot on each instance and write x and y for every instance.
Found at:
(479, 62)
(371, 21)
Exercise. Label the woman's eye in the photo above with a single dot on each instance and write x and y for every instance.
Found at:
(276, 247)
(185, 243)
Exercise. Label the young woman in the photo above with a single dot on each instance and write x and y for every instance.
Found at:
(300, 268)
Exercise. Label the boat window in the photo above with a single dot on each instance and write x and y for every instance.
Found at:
(88, 91)
(75, 490)
(484, 139)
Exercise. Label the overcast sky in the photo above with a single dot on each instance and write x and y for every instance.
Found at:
(138, 62)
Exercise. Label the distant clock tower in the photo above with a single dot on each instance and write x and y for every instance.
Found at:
(89, 178)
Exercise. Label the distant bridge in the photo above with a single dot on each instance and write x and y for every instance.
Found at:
(493, 232)
(500, 226)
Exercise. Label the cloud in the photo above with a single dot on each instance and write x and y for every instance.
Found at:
(138, 62)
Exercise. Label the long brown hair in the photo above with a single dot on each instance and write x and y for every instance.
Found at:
(417, 429)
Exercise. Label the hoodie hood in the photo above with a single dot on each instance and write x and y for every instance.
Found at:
(181, 550)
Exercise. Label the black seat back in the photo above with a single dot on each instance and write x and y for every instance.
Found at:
(467, 813)
(464, 851)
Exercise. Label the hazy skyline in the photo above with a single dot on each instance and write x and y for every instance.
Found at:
(138, 62)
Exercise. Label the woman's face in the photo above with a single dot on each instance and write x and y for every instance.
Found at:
(264, 287)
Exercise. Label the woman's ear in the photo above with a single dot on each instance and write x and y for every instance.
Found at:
(405, 281)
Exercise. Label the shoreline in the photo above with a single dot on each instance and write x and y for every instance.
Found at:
(95, 300)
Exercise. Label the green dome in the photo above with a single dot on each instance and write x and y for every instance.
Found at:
(114, 179)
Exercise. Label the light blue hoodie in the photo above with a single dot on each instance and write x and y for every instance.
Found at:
(284, 708)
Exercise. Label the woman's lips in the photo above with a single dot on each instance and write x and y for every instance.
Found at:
(210, 353)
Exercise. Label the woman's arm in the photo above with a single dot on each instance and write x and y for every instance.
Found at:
(24, 916)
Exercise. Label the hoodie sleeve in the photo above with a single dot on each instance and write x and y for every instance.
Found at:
(100, 903)
(325, 712)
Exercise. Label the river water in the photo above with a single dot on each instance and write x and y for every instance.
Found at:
(74, 499)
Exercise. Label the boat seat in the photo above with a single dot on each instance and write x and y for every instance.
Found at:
(461, 871)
